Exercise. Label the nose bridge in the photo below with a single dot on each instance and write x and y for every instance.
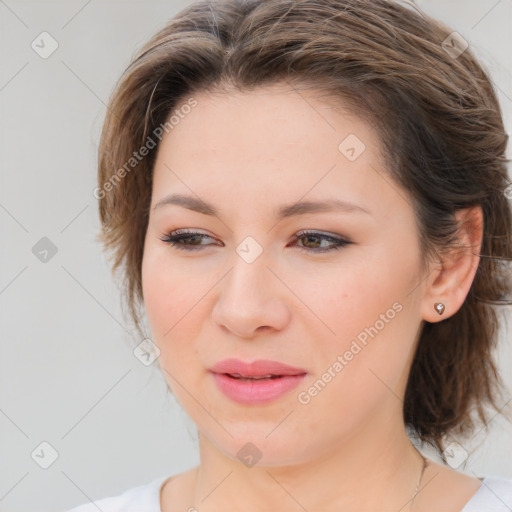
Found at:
(247, 283)
(248, 297)
(249, 270)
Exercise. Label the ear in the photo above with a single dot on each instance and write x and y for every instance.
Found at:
(449, 284)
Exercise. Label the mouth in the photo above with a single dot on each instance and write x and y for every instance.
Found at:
(246, 378)
(259, 369)
(259, 382)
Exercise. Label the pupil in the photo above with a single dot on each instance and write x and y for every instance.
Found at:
(311, 237)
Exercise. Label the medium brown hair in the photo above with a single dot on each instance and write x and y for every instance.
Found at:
(437, 116)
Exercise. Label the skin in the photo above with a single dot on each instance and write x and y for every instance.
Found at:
(248, 154)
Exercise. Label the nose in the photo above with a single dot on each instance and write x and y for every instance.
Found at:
(251, 300)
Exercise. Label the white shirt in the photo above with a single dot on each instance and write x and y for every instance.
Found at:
(494, 495)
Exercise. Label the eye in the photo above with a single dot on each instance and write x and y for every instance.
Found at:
(315, 238)
(189, 240)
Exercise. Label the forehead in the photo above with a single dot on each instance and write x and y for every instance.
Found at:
(271, 115)
(251, 146)
(277, 124)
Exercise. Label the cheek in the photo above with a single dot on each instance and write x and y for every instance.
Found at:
(157, 294)
(368, 317)
(343, 299)
(174, 302)
(166, 295)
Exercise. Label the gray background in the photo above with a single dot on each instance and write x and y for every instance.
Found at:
(68, 376)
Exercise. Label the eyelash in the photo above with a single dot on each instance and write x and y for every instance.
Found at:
(179, 235)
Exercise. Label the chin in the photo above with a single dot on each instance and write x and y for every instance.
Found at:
(253, 446)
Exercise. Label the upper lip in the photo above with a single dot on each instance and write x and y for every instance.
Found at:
(258, 368)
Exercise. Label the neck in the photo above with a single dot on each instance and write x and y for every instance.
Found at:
(370, 471)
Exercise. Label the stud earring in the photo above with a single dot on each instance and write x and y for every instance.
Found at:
(439, 307)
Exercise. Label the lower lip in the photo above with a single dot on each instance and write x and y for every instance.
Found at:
(256, 391)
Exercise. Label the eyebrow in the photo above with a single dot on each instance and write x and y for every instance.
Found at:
(286, 211)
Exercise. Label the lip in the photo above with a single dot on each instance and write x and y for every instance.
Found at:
(258, 382)
(257, 368)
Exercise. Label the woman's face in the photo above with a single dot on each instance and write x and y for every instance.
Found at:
(249, 286)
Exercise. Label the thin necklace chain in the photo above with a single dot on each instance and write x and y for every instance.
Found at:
(425, 462)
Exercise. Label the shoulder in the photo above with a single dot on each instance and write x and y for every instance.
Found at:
(494, 495)
(143, 497)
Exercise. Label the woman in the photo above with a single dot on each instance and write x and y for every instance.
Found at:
(309, 198)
